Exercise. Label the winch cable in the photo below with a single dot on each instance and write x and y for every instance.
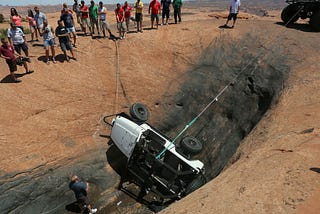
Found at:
(117, 76)
(215, 99)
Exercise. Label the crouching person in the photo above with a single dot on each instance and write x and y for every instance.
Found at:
(64, 40)
(7, 52)
(80, 190)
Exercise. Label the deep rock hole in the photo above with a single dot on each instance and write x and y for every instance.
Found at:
(221, 128)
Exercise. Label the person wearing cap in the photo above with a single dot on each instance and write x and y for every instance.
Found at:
(7, 53)
(80, 190)
(17, 38)
(40, 18)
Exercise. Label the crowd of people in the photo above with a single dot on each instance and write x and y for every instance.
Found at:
(91, 18)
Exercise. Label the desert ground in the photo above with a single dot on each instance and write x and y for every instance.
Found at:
(51, 123)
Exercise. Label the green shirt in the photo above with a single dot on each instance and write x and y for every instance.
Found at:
(93, 11)
(177, 4)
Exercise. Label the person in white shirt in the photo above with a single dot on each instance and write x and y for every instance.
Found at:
(102, 13)
(17, 38)
(234, 10)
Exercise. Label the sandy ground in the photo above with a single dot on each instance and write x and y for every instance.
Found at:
(50, 118)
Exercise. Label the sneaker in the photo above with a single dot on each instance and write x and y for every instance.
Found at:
(68, 59)
(28, 59)
(48, 62)
(74, 46)
(54, 60)
(29, 72)
(94, 210)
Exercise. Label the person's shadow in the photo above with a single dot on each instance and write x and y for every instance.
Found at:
(75, 207)
(8, 79)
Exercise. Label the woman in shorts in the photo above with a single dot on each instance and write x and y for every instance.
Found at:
(32, 25)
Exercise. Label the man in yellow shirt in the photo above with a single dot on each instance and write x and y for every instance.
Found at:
(139, 7)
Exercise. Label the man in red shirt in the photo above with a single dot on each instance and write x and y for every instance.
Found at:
(127, 13)
(84, 9)
(155, 11)
(7, 53)
(120, 20)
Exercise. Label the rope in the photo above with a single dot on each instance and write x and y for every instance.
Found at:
(215, 99)
(117, 76)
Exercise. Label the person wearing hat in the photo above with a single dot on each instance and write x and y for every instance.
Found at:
(80, 190)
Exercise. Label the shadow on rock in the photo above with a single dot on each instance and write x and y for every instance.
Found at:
(315, 169)
(8, 79)
(117, 160)
(73, 207)
(298, 26)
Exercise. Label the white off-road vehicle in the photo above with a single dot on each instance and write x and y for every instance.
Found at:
(154, 163)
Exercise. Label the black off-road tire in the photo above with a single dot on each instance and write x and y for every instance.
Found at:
(140, 112)
(315, 21)
(288, 13)
(195, 184)
(191, 145)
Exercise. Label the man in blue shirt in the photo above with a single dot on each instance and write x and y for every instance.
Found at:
(67, 19)
(80, 190)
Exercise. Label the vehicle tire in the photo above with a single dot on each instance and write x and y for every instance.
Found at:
(288, 13)
(139, 112)
(191, 145)
(195, 184)
(315, 21)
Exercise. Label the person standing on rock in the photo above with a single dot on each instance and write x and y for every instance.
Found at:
(165, 11)
(177, 4)
(48, 41)
(84, 9)
(15, 18)
(40, 18)
(103, 22)
(139, 7)
(127, 14)
(68, 22)
(32, 25)
(76, 9)
(93, 14)
(155, 7)
(80, 190)
(7, 53)
(64, 40)
(17, 38)
(120, 21)
(234, 10)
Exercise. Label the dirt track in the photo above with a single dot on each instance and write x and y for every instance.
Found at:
(53, 118)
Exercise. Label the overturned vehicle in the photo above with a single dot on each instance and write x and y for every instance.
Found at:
(154, 163)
